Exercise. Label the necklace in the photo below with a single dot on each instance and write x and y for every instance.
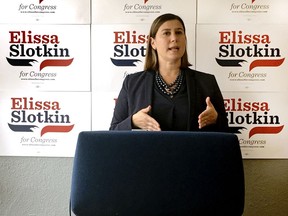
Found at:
(169, 89)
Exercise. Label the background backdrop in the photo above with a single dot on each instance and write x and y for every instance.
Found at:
(63, 64)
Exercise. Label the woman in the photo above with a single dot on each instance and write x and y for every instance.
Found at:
(168, 95)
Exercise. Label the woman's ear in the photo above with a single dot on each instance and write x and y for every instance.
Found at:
(152, 42)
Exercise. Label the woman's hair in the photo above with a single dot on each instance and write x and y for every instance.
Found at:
(151, 59)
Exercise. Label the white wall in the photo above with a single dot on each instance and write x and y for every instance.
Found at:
(41, 186)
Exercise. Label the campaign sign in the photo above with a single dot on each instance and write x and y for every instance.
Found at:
(244, 57)
(118, 50)
(242, 11)
(42, 123)
(140, 11)
(45, 57)
(46, 12)
(259, 119)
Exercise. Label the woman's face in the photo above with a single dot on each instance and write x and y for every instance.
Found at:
(170, 42)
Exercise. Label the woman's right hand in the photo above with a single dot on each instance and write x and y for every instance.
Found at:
(143, 120)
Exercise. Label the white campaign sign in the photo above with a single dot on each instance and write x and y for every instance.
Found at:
(46, 12)
(45, 57)
(140, 11)
(43, 123)
(260, 122)
(242, 11)
(118, 50)
(244, 57)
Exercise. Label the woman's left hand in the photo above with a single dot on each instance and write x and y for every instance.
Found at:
(208, 116)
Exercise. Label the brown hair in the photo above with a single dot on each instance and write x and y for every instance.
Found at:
(151, 59)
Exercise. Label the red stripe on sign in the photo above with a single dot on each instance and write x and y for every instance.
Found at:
(266, 63)
(265, 130)
(56, 63)
(56, 129)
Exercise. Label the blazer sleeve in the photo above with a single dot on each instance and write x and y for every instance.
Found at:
(122, 119)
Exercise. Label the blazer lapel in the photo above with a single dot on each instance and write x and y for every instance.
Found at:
(149, 83)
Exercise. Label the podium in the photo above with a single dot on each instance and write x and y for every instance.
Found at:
(167, 173)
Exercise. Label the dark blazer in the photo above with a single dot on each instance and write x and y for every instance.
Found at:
(136, 94)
